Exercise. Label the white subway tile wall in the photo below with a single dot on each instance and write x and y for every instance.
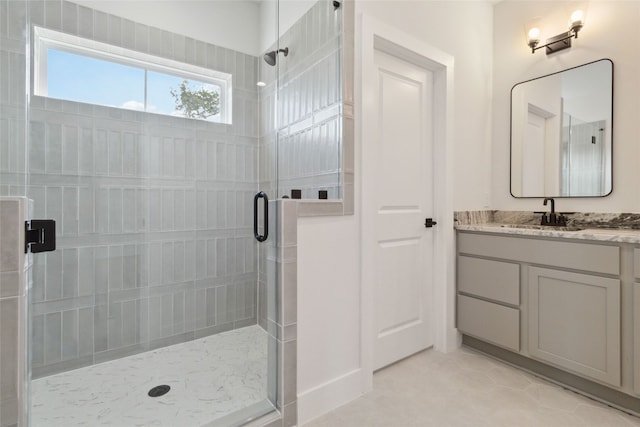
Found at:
(308, 122)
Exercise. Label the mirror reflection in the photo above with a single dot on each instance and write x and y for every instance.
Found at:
(561, 133)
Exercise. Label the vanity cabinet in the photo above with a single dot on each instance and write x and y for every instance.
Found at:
(551, 300)
(574, 322)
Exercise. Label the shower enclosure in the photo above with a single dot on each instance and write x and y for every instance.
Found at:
(583, 156)
(151, 132)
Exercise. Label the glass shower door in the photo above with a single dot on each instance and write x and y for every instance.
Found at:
(13, 109)
(583, 156)
(144, 146)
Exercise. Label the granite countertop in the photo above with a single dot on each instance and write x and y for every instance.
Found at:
(618, 228)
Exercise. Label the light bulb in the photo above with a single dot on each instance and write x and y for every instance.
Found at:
(576, 21)
(533, 35)
(577, 18)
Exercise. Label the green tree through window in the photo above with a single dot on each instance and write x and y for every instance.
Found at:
(196, 103)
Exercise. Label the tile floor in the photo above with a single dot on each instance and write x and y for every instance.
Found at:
(210, 378)
(465, 388)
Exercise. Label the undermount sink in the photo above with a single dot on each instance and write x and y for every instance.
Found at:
(542, 227)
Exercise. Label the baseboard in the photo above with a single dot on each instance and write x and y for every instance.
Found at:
(329, 396)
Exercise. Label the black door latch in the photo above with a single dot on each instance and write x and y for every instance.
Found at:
(39, 235)
(429, 222)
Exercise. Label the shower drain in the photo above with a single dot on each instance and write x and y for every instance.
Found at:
(159, 390)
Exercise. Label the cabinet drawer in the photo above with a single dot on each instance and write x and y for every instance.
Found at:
(495, 280)
(488, 321)
(556, 253)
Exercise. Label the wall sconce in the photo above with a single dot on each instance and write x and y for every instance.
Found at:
(559, 42)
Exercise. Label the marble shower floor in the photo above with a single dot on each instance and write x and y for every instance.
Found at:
(468, 389)
(210, 378)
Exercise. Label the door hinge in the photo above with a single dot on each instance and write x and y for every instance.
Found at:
(39, 235)
(429, 222)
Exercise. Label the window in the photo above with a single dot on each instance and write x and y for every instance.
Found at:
(76, 69)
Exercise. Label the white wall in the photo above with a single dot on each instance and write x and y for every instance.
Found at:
(268, 23)
(329, 299)
(288, 13)
(462, 29)
(610, 31)
(328, 313)
(234, 24)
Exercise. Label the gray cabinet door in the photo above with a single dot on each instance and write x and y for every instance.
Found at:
(574, 322)
(636, 338)
(636, 321)
(636, 263)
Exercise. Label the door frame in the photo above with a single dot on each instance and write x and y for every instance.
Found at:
(375, 34)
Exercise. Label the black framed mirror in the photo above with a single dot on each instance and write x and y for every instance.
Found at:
(562, 133)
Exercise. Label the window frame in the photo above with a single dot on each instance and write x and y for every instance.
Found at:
(45, 39)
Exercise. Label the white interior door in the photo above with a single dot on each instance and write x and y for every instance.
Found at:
(403, 289)
(533, 155)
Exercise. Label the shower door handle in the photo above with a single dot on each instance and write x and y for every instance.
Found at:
(261, 237)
